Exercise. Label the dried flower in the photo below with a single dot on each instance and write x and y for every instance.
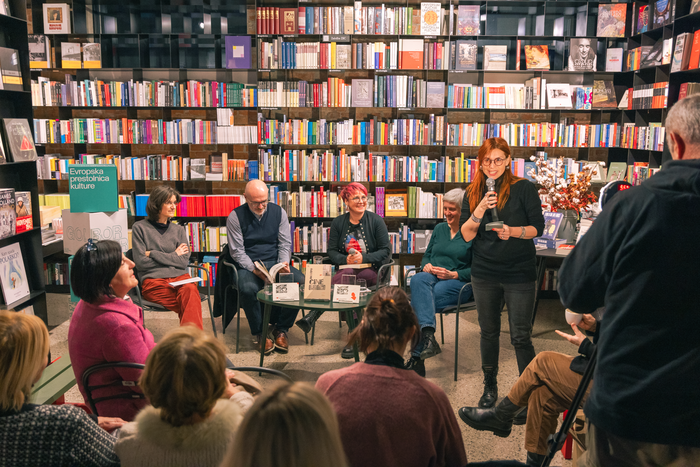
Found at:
(564, 193)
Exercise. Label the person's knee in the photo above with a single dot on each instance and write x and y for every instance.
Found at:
(422, 279)
(248, 288)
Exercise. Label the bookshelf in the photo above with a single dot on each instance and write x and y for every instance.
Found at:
(169, 42)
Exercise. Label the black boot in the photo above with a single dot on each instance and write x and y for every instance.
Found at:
(521, 418)
(498, 420)
(417, 365)
(428, 345)
(490, 396)
(307, 322)
(535, 459)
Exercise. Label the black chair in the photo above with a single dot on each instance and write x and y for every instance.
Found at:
(259, 369)
(92, 402)
(135, 293)
(456, 309)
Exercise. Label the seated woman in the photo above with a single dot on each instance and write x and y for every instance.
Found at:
(106, 326)
(292, 425)
(358, 237)
(413, 423)
(195, 409)
(162, 253)
(32, 435)
(446, 268)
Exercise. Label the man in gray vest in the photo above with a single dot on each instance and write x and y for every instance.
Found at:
(259, 231)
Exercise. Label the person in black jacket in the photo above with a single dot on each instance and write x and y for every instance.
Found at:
(641, 259)
(503, 263)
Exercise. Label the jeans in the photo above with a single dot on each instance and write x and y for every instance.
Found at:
(520, 298)
(249, 285)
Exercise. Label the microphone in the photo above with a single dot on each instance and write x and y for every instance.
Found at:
(495, 224)
(352, 251)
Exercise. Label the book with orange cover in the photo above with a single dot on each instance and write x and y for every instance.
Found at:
(695, 51)
(411, 54)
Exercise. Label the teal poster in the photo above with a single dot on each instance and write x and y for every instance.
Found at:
(93, 188)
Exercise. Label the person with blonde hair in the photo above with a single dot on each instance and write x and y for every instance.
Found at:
(412, 422)
(195, 409)
(30, 434)
(292, 425)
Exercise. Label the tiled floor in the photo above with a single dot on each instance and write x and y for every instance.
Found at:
(307, 363)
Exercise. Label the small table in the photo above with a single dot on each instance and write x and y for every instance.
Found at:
(348, 308)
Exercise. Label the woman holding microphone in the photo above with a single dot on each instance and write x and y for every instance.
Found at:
(502, 221)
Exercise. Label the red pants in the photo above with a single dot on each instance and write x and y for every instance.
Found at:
(183, 300)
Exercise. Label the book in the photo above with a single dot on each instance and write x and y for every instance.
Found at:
(597, 171)
(537, 57)
(495, 57)
(39, 51)
(415, 22)
(198, 169)
(19, 139)
(238, 52)
(3, 156)
(23, 209)
(681, 53)
(9, 68)
(582, 97)
(624, 102)
(604, 94)
(642, 19)
(611, 20)
(288, 21)
(317, 283)
(652, 56)
(469, 20)
(694, 60)
(466, 55)
(343, 56)
(617, 171)
(363, 93)
(613, 59)
(582, 54)
(92, 55)
(430, 15)
(13, 276)
(271, 274)
(8, 213)
(552, 220)
(354, 266)
(662, 13)
(564, 249)
(667, 51)
(542, 243)
(435, 94)
(694, 7)
(411, 54)
(5, 8)
(56, 18)
(70, 55)
(558, 96)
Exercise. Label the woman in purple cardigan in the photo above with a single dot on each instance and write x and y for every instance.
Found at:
(106, 326)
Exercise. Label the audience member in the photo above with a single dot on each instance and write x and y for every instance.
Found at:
(358, 237)
(161, 254)
(46, 435)
(389, 415)
(504, 263)
(259, 231)
(195, 410)
(292, 425)
(106, 326)
(641, 260)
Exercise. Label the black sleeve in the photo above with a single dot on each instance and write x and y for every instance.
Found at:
(533, 207)
(334, 253)
(586, 348)
(381, 241)
(466, 211)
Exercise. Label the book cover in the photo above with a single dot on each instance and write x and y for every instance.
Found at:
(597, 171)
(9, 68)
(92, 55)
(466, 55)
(56, 18)
(13, 276)
(694, 7)
(694, 60)
(430, 18)
(317, 285)
(604, 94)
(198, 169)
(348, 20)
(469, 20)
(617, 171)
(39, 51)
(5, 8)
(288, 21)
(3, 155)
(613, 59)
(582, 54)
(8, 213)
(558, 96)
(411, 54)
(662, 13)
(19, 139)
(238, 52)
(363, 93)
(23, 209)
(552, 220)
(611, 20)
(435, 94)
(343, 56)
(667, 51)
(537, 57)
(643, 19)
(495, 57)
(70, 55)
(681, 53)
(415, 22)
(651, 56)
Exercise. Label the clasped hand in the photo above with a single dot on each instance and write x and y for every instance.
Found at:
(441, 273)
(355, 258)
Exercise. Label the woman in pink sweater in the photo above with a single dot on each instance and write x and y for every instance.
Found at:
(106, 326)
(389, 415)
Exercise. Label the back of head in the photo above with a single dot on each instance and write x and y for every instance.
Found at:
(388, 320)
(185, 375)
(684, 120)
(94, 266)
(292, 425)
(24, 344)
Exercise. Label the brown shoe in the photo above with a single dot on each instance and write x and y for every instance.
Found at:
(269, 345)
(281, 342)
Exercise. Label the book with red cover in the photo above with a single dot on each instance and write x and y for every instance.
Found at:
(695, 52)
(288, 21)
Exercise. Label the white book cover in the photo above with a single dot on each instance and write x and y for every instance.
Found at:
(56, 18)
(12, 274)
(430, 18)
(558, 96)
(613, 59)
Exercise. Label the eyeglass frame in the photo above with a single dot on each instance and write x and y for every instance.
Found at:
(359, 199)
(489, 162)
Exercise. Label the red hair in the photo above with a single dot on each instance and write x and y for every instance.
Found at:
(351, 190)
(475, 190)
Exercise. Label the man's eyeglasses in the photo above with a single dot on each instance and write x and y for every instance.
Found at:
(359, 199)
(258, 203)
(498, 161)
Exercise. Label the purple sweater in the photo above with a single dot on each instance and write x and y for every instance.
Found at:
(393, 417)
(109, 331)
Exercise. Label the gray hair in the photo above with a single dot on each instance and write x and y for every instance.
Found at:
(455, 197)
(684, 120)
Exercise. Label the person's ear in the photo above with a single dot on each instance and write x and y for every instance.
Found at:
(678, 145)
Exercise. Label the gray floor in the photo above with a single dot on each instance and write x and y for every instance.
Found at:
(307, 363)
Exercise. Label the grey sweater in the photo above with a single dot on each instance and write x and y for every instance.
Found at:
(163, 261)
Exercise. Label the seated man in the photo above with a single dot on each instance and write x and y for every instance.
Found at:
(258, 231)
(546, 388)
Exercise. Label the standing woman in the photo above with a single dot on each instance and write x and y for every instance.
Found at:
(503, 263)
(161, 254)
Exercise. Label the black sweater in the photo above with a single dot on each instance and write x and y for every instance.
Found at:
(378, 246)
(641, 260)
(508, 261)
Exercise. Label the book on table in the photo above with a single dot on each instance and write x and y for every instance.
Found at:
(354, 266)
(317, 285)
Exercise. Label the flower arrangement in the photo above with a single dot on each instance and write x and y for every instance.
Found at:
(564, 193)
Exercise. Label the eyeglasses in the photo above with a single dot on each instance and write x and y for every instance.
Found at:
(91, 245)
(359, 199)
(497, 162)
(258, 203)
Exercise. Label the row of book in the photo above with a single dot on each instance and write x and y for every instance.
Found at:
(134, 131)
(686, 55)
(98, 93)
(197, 205)
(56, 273)
(205, 238)
(15, 212)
